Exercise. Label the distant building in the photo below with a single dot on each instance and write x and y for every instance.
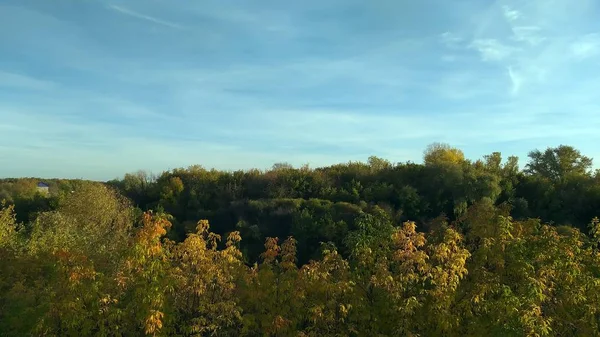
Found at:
(43, 188)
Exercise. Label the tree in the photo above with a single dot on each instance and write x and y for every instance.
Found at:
(205, 301)
(493, 161)
(8, 225)
(557, 163)
(441, 153)
(282, 167)
(378, 164)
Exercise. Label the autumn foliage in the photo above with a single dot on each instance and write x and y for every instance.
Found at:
(485, 274)
(89, 263)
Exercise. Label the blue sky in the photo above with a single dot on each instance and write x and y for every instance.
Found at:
(94, 89)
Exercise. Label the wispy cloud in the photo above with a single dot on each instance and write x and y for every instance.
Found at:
(515, 79)
(533, 51)
(141, 16)
(528, 34)
(492, 49)
(511, 14)
(250, 84)
(451, 40)
(20, 81)
(586, 46)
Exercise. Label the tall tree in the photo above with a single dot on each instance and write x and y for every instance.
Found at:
(441, 153)
(557, 163)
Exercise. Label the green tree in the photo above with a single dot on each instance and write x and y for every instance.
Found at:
(557, 163)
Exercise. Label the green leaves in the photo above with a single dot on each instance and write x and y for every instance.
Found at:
(557, 163)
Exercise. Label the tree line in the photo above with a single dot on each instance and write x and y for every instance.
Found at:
(557, 186)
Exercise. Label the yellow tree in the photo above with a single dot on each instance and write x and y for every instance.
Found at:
(447, 268)
(271, 297)
(441, 153)
(204, 300)
(329, 296)
(17, 296)
(8, 226)
(144, 281)
(527, 279)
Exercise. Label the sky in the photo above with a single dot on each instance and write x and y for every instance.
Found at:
(95, 89)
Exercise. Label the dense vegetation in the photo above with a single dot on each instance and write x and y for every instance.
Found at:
(449, 247)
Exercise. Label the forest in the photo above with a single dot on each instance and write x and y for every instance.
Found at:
(446, 247)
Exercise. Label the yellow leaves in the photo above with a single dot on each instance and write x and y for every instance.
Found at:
(202, 227)
(316, 313)
(345, 309)
(205, 281)
(438, 153)
(108, 300)
(8, 223)
(288, 254)
(407, 238)
(105, 303)
(233, 239)
(594, 227)
(523, 279)
(279, 324)
(407, 244)
(449, 258)
(154, 322)
(272, 250)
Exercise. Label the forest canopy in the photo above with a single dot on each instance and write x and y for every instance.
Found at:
(450, 247)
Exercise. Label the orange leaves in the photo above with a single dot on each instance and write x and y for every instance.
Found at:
(75, 265)
(153, 228)
(286, 252)
(148, 238)
(80, 273)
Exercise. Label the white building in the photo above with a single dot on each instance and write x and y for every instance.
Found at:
(43, 188)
